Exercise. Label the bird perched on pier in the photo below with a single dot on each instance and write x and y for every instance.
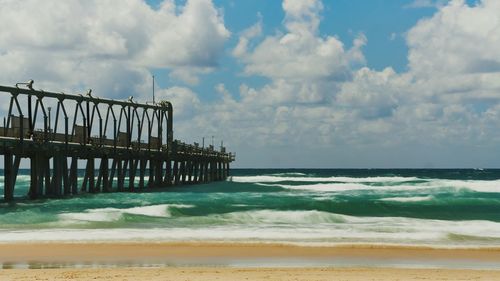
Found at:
(163, 103)
(130, 99)
(89, 93)
(29, 84)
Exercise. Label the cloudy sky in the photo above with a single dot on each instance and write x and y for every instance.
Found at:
(292, 83)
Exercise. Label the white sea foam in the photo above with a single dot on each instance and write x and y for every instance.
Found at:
(286, 226)
(476, 185)
(92, 215)
(289, 174)
(114, 214)
(271, 179)
(278, 217)
(408, 199)
(362, 183)
(338, 187)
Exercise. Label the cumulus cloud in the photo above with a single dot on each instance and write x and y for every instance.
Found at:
(372, 94)
(107, 45)
(300, 53)
(245, 37)
(185, 101)
(319, 99)
(195, 37)
(306, 71)
(458, 39)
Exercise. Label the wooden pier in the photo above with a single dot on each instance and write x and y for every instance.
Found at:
(123, 145)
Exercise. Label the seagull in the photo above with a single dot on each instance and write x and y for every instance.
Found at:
(89, 93)
(30, 84)
(130, 99)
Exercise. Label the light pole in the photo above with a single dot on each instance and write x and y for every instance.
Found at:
(49, 108)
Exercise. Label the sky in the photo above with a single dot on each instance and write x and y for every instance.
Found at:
(284, 84)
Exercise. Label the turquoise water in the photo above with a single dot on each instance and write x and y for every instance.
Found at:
(422, 207)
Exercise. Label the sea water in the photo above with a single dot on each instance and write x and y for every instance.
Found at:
(446, 208)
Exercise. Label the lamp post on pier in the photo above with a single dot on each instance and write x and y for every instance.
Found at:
(49, 108)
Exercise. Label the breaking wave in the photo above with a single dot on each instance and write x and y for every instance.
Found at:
(114, 214)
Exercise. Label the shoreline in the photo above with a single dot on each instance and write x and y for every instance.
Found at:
(196, 261)
(230, 254)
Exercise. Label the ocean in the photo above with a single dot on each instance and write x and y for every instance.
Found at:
(444, 208)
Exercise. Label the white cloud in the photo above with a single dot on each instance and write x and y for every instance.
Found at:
(245, 37)
(195, 37)
(184, 100)
(318, 100)
(458, 39)
(302, 16)
(188, 74)
(372, 94)
(300, 54)
(107, 45)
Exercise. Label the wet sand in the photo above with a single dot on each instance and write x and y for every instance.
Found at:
(240, 261)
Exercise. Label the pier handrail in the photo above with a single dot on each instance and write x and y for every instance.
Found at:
(97, 114)
(82, 98)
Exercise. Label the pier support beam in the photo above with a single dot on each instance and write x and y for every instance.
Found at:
(56, 183)
(132, 173)
(196, 167)
(176, 172)
(183, 172)
(109, 186)
(66, 182)
(73, 175)
(168, 173)
(105, 174)
(142, 172)
(8, 177)
(120, 175)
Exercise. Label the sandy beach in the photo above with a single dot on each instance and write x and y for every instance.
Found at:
(277, 274)
(222, 254)
(234, 261)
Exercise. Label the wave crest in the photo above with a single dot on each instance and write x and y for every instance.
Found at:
(281, 217)
(276, 178)
(114, 214)
(408, 199)
(471, 185)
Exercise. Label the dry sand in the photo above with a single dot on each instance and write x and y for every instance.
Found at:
(231, 274)
(216, 261)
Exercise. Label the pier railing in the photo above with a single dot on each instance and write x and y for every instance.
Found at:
(132, 143)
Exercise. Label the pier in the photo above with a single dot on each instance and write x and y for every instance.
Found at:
(122, 145)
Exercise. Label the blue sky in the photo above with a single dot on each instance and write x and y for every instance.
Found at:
(291, 83)
(384, 22)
